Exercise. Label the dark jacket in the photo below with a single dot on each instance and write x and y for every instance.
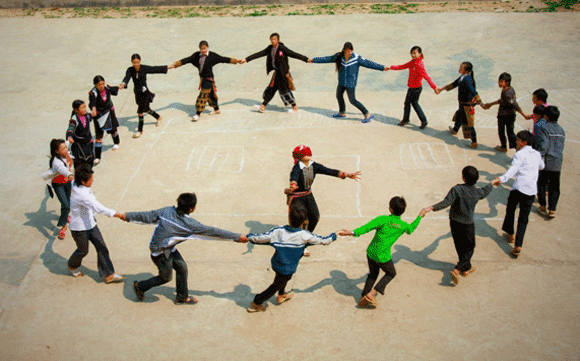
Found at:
(280, 58)
(140, 77)
(211, 60)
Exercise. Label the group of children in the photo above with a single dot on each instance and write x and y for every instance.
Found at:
(536, 167)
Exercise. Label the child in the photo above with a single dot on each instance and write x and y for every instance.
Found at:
(462, 199)
(289, 242)
(539, 97)
(506, 114)
(551, 139)
(103, 111)
(417, 73)
(143, 96)
(79, 134)
(467, 97)
(301, 179)
(525, 166)
(84, 229)
(388, 230)
(174, 225)
(539, 113)
(347, 66)
(60, 164)
(205, 60)
(277, 55)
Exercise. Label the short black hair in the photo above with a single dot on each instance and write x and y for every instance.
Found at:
(526, 136)
(276, 35)
(97, 79)
(552, 113)
(135, 56)
(202, 43)
(297, 215)
(398, 205)
(541, 94)
(470, 175)
(82, 173)
(418, 48)
(186, 202)
(540, 110)
(506, 77)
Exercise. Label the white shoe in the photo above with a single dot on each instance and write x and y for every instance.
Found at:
(96, 161)
(214, 112)
(115, 279)
(259, 108)
(115, 147)
(291, 111)
(75, 272)
(195, 118)
(137, 135)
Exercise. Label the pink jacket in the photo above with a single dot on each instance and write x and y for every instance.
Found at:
(416, 73)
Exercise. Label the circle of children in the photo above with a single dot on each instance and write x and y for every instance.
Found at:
(536, 167)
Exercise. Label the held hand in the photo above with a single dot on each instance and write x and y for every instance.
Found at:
(243, 239)
(310, 61)
(291, 189)
(94, 112)
(70, 140)
(387, 68)
(172, 66)
(121, 86)
(242, 61)
(496, 181)
(345, 232)
(438, 91)
(528, 117)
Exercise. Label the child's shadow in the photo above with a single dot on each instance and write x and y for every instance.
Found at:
(422, 259)
(341, 284)
(256, 228)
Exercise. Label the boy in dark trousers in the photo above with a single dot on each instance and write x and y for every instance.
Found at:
(289, 242)
(462, 199)
(174, 225)
(388, 230)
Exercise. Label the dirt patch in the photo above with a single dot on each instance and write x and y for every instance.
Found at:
(289, 10)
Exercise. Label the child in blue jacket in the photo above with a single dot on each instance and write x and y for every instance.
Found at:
(347, 65)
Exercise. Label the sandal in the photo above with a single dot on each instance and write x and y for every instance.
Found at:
(256, 308)
(363, 303)
(140, 294)
(372, 302)
(510, 238)
(285, 297)
(62, 234)
(515, 253)
(189, 301)
(454, 277)
(468, 272)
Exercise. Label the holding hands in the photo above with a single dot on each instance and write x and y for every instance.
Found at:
(242, 61)
(496, 181)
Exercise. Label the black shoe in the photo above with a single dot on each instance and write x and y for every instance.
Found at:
(140, 294)
(402, 123)
(423, 125)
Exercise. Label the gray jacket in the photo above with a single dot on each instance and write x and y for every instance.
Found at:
(551, 145)
(462, 199)
(173, 228)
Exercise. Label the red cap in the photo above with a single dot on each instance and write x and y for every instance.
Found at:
(301, 151)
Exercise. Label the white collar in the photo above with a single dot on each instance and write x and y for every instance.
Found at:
(302, 165)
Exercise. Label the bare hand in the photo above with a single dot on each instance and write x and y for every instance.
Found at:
(387, 68)
(310, 61)
(345, 232)
(70, 140)
(496, 181)
(121, 86)
(242, 61)
(438, 90)
(172, 66)
(94, 112)
(243, 239)
(355, 176)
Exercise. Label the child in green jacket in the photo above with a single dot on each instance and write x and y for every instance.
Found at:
(388, 230)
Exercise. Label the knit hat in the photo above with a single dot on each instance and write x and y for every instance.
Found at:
(301, 151)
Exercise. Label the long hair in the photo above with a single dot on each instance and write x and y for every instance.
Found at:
(54, 145)
(340, 55)
(469, 69)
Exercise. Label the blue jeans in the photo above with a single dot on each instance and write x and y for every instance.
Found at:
(412, 99)
(166, 265)
(351, 98)
(63, 194)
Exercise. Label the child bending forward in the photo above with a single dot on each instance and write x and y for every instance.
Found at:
(289, 242)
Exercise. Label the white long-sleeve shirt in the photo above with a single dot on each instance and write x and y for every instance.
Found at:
(526, 165)
(83, 208)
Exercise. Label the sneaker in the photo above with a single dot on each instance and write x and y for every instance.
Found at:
(140, 294)
(115, 147)
(259, 108)
(137, 135)
(214, 112)
(423, 125)
(256, 308)
(195, 118)
(452, 130)
(292, 111)
(96, 161)
(338, 115)
(285, 297)
(368, 119)
(75, 272)
(158, 123)
(114, 278)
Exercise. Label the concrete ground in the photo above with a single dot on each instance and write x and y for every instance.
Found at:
(238, 164)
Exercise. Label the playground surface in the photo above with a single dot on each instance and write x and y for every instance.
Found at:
(238, 164)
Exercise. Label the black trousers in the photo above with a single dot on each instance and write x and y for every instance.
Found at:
(166, 265)
(464, 240)
(82, 239)
(279, 285)
(374, 267)
(525, 202)
(309, 203)
(279, 84)
(549, 181)
(505, 123)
